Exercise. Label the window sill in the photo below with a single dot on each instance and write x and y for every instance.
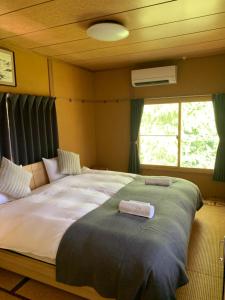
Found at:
(176, 169)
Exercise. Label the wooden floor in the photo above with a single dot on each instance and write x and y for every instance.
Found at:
(204, 269)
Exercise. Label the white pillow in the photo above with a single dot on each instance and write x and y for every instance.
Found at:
(69, 162)
(14, 180)
(52, 169)
(3, 199)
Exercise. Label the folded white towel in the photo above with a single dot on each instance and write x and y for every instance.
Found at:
(159, 181)
(137, 208)
(140, 202)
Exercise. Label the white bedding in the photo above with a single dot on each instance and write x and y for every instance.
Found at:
(35, 225)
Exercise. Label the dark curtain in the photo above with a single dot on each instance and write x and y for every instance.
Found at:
(4, 134)
(33, 127)
(137, 106)
(219, 110)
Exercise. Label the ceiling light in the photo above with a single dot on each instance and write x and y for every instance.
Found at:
(107, 31)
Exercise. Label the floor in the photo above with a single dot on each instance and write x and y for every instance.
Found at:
(205, 270)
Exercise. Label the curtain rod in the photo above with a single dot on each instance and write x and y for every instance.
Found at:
(92, 101)
(178, 96)
(128, 99)
(117, 100)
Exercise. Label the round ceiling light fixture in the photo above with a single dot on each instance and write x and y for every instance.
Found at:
(108, 31)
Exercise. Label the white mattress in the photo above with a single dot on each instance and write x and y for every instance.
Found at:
(34, 225)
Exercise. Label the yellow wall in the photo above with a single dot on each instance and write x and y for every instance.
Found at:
(195, 76)
(75, 120)
(31, 73)
(112, 119)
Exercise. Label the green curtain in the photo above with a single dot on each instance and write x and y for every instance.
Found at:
(33, 127)
(219, 110)
(137, 106)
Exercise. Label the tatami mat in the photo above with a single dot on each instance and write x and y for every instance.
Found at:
(204, 269)
(204, 247)
(201, 287)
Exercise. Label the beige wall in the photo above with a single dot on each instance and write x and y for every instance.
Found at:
(195, 76)
(76, 121)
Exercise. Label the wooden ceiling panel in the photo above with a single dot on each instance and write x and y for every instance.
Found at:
(51, 36)
(59, 34)
(58, 28)
(171, 12)
(149, 46)
(60, 12)
(208, 48)
(134, 19)
(87, 48)
(9, 6)
(78, 46)
(108, 53)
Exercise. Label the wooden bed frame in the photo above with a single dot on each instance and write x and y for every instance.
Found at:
(33, 268)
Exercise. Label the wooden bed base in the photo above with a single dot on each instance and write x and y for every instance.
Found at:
(33, 268)
(43, 272)
(39, 175)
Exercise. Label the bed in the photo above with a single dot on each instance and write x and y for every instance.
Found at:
(52, 206)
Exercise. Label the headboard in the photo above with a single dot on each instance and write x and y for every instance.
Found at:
(39, 175)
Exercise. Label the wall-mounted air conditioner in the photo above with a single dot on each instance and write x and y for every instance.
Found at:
(154, 76)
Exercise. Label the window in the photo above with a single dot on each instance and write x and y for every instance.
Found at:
(181, 134)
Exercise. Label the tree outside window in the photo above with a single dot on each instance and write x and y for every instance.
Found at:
(181, 134)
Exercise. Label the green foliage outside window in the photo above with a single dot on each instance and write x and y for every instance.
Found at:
(159, 135)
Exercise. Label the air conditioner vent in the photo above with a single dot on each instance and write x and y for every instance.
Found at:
(156, 82)
(154, 76)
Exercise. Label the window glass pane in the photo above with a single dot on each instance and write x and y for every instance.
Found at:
(158, 150)
(199, 138)
(160, 119)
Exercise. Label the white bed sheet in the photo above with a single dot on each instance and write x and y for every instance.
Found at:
(35, 225)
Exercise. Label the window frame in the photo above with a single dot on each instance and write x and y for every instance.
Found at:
(179, 100)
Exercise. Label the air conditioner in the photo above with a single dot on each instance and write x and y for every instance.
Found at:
(154, 76)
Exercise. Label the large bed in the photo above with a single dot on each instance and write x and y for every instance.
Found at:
(38, 232)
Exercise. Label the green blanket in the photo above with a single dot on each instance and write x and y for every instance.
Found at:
(129, 257)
